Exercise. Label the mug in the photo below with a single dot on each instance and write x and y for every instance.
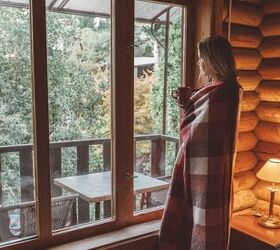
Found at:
(182, 96)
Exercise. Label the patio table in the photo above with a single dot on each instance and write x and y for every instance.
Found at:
(97, 187)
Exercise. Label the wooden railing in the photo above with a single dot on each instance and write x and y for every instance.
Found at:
(158, 156)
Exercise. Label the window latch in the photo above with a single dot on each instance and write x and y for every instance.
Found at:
(129, 175)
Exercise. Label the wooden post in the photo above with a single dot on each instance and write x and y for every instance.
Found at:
(55, 164)
(165, 72)
(97, 211)
(83, 168)
(107, 167)
(176, 148)
(40, 118)
(158, 156)
(107, 156)
(1, 194)
(26, 175)
(123, 129)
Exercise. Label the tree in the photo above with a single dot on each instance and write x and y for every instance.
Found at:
(79, 87)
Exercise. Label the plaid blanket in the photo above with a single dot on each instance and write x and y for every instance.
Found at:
(197, 213)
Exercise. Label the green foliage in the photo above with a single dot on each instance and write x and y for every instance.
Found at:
(173, 81)
(151, 105)
(79, 84)
(76, 96)
(15, 76)
(142, 38)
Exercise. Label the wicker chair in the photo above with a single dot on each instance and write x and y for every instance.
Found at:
(63, 215)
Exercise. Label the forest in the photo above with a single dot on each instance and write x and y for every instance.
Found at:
(79, 89)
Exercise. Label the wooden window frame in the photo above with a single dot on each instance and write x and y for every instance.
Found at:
(122, 126)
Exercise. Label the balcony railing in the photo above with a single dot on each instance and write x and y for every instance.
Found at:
(157, 161)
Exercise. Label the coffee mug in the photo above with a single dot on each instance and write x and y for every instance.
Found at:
(182, 96)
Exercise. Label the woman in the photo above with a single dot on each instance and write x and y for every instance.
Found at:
(198, 209)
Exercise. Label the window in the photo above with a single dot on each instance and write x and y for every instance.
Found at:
(87, 70)
(157, 71)
(79, 87)
(16, 141)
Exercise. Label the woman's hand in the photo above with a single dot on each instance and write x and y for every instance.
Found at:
(182, 96)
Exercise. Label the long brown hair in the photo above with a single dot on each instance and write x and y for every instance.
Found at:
(217, 52)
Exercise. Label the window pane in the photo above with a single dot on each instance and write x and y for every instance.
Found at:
(79, 81)
(17, 206)
(157, 71)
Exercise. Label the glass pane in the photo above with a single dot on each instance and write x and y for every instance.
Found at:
(157, 71)
(79, 81)
(17, 206)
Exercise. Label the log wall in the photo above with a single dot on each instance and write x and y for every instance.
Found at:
(255, 37)
(267, 129)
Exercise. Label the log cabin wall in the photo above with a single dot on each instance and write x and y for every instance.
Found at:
(268, 109)
(255, 37)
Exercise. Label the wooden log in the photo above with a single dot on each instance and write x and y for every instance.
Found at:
(269, 91)
(271, 6)
(245, 161)
(245, 14)
(258, 166)
(249, 79)
(270, 69)
(249, 101)
(257, 2)
(83, 168)
(247, 211)
(244, 180)
(267, 150)
(247, 59)
(269, 111)
(26, 175)
(244, 199)
(248, 121)
(244, 36)
(270, 48)
(261, 191)
(246, 141)
(270, 26)
(264, 207)
(268, 131)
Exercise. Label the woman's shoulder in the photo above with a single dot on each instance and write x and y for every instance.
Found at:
(231, 86)
(227, 92)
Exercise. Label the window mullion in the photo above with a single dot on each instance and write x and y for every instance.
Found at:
(40, 121)
(123, 145)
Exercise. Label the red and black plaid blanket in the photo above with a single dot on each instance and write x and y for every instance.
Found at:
(198, 210)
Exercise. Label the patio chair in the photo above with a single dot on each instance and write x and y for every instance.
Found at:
(63, 215)
(154, 199)
(5, 233)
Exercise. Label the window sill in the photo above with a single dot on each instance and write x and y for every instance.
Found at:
(103, 240)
